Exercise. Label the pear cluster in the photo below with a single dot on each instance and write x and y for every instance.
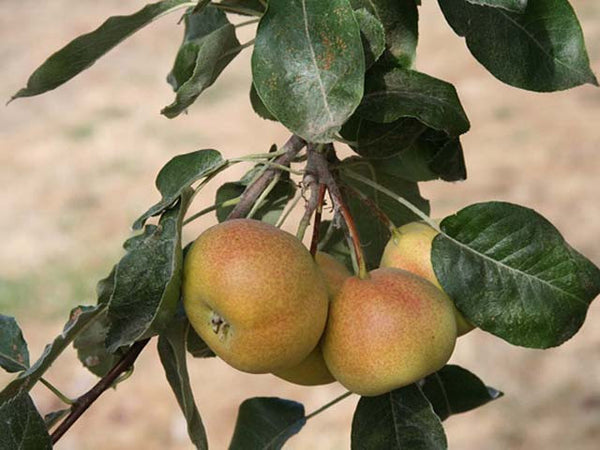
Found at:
(263, 304)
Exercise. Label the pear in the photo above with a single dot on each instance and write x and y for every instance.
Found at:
(387, 331)
(335, 272)
(312, 370)
(255, 295)
(410, 249)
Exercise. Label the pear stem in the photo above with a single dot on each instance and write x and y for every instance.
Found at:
(292, 147)
(383, 217)
(328, 405)
(314, 243)
(325, 177)
(263, 196)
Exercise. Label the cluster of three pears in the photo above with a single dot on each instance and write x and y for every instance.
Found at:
(261, 303)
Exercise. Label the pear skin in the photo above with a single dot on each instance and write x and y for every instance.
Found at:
(335, 272)
(313, 371)
(410, 249)
(254, 294)
(387, 331)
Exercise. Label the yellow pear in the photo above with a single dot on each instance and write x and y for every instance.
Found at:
(335, 272)
(312, 371)
(387, 331)
(410, 249)
(255, 295)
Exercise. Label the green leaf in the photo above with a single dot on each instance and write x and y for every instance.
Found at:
(14, 356)
(272, 206)
(148, 280)
(394, 93)
(178, 174)
(374, 235)
(308, 65)
(79, 318)
(244, 7)
(540, 49)
(454, 390)
(381, 140)
(511, 273)
(372, 34)
(171, 349)
(399, 420)
(209, 45)
(21, 426)
(266, 423)
(83, 51)
(510, 5)
(91, 348)
(400, 21)
(258, 106)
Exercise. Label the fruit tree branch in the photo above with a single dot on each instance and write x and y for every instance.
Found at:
(252, 192)
(85, 401)
(325, 177)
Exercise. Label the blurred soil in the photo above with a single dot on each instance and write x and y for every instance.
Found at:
(77, 166)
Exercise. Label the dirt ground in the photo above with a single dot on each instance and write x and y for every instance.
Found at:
(77, 166)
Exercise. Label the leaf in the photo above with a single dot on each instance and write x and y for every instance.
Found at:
(511, 273)
(258, 106)
(209, 45)
(79, 318)
(394, 93)
(374, 235)
(453, 390)
(171, 349)
(266, 423)
(308, 65)
(21, 426)
(83, 51)
(91, 348)
(178, 174)
(14, 355)
(244, 7)
(381, 140)
(147, 280)
(510, 5)
(372, 34)
(401, 419)
(400, 22)
(272, 206)
(540, 49)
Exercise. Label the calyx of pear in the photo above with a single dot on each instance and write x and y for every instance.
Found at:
(410, 249)
(312, 370)
(387, 331)
(255, 295)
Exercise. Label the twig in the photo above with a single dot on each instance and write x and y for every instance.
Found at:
(383, 217)
(309, 183)
(252, 192)
(325, 177)
(85, 401)
(314, 244)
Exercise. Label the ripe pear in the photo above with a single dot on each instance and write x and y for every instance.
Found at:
(410, 249)
(312, 370)
(335, 272)
(387, 331)
(255, 295)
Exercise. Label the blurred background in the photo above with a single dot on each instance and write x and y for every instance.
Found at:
(77, 166)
